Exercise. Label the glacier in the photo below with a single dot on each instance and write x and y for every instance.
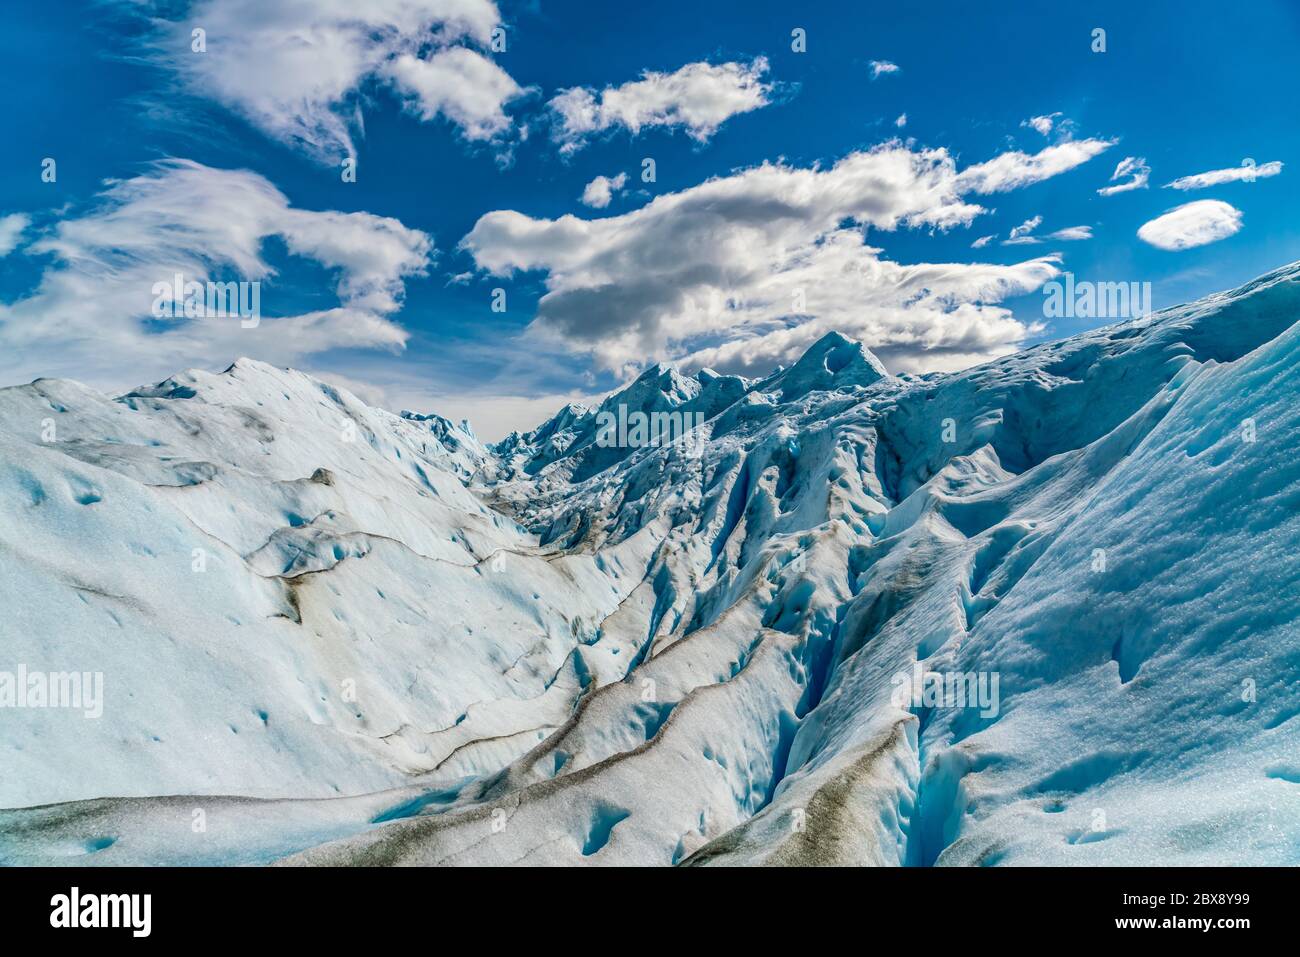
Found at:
(331, 634)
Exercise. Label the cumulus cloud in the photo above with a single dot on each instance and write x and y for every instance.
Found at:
(747, 269)
(901, 121)
(295, 70)
(699, 97)
(1134, 167)
(983, 241)
(11, 231)
(915, 317)
(1248, 172)
(601, 190)
(460, 84)
(1016, 169)
(880, 67)
(1192, 224)
(1043, 124)
(91, 315)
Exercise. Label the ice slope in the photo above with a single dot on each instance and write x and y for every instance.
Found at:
(288, 593)
(690, 654)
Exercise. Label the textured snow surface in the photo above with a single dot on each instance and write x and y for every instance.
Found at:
(346, 636)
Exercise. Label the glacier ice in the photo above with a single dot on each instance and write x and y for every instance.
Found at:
(333, 634)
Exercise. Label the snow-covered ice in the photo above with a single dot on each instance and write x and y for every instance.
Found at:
(332, 634)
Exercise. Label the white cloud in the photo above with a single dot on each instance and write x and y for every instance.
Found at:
(1071, 234)
(699, 97)
(1022, 235)
(1028, 226)
(11, 231)
(1134, 167)
(372, 395)
(1016, 169)
(983, 241)
(1192, 224)
(901, 121)
(520, 388)
(880, 67)
(601, 190)
(461, 84)
(296, 70)
(493, 417)
(1043, 124)
(91, 314)
(1248, 172)
(747, 269)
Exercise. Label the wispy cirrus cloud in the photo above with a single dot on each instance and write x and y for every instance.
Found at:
(1247, 172)
(881, 68)
(1071, 234)
(698, 97)
(1024, 235)
(91, 314)
(12, 228)
(749, 268)
(1016, 169)
(1197, 223)
(1133, 167)
(296, 70)
(1025, 228)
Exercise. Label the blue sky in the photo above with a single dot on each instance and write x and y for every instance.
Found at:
(226, 164)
